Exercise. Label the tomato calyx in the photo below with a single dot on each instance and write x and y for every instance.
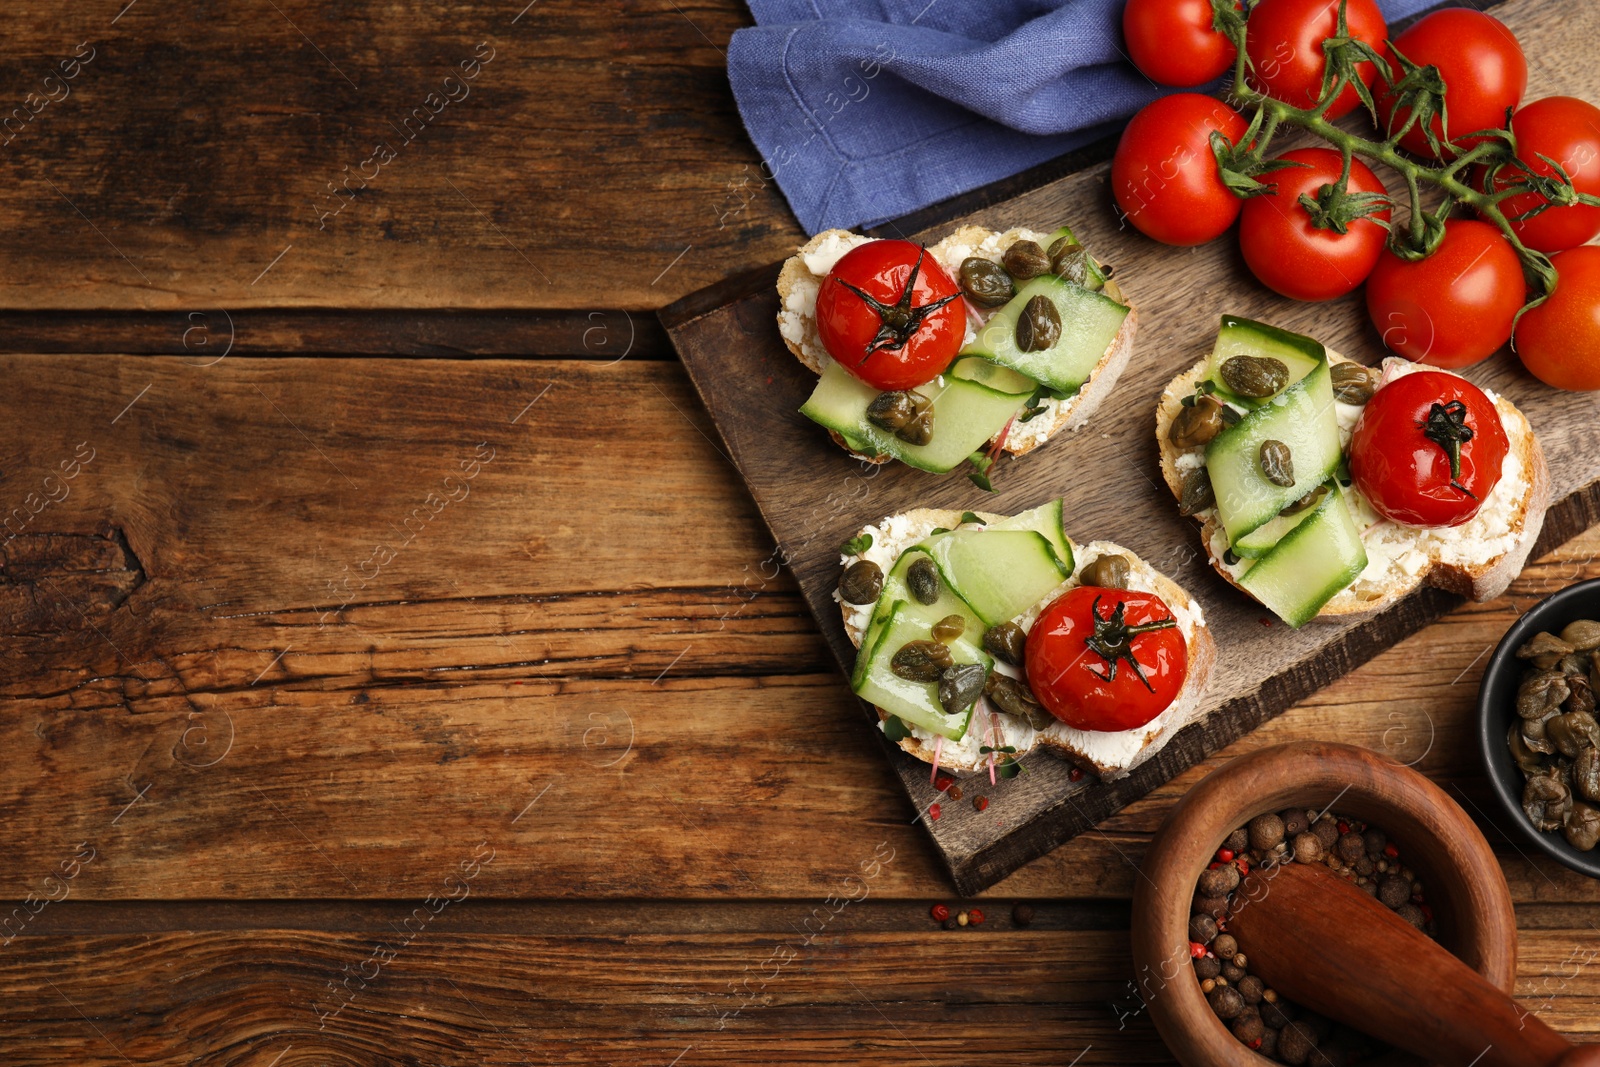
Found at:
(1335, 207)
(898, 321)
(1421, 89)
(1112, 640)
(1345, 52)
(1446, 426)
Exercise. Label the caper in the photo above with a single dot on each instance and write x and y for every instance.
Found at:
(1197, 493)
(1072, 264)
(1025, 260)
(1544, 650)
(1353, 383)
(919, 431)
(1546, 801)
(1585, 773)
(1277, 463)
(949, 628)
(1540, 693)
(1573, 732)
(985, 283)
(861, 582)
(891, 410)
(1581, 827)
(905, 413)
(1196, 424)
(1527, 760)
(1254, 376)
(923, 578)
(960, 686)
(1006, 642)
(1536, 734)
(921, 661)
(1039, 325)
(1583, 635)
(1014, 698)
(1310, 500)
(1109, 571)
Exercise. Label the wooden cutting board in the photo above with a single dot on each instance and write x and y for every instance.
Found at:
(814, 496)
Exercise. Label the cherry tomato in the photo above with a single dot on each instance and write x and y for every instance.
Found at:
(1084, 689)
(1400, 450)
(1285, 48)
(1568, 131)
(1484, 71)
(1164, 174)
(1453, 308)
(1287, 253)
(1559, 341)
(862, 329)
(1172, 42)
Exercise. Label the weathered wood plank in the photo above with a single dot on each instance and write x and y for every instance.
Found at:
(771, 994)
(205, 338)
(593, 158)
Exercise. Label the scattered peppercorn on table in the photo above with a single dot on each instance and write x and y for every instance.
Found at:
(368, 709)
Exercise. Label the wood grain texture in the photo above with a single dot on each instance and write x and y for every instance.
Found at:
(869, 988)
(813, 496)
(187, 154)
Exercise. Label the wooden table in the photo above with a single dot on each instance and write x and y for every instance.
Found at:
(397, 673)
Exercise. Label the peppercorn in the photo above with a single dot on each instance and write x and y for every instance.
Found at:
(980, 802)
(1393, 890)
(949, 924)
(1275, 1013)
(1270, 996)
(1250, 988)
(1202, 928)
(1226, 1002)
(1411, 914)
(1238, 841)
(975, 917)
(1327, 831)
(1364, 865)
(1294, 821)
(1248, 1028)
(940, 912)
(955, 792)
(1207, 967)
(1022, 914)
(1219, 882)
(1225, 946)
(933, 811)
(1232, 971)
(1208, 985)
(943, 782)
(1269, 1043)
(962, 918)
(1295, 1043)
(1241, 960)
(1216, 907)
(1391, 850)
(1375, 840)
(1266, 831)
(1352, 848)
(1307, 848)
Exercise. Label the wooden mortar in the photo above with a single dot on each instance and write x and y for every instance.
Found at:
(1466, 890)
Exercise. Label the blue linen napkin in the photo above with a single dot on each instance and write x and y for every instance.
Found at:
(866, 110)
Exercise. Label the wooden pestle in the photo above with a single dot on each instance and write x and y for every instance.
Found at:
(1322, 942)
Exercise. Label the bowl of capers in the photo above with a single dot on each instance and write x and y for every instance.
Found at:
(1537, 726)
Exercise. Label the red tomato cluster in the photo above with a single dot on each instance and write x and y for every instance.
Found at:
(1450, 309)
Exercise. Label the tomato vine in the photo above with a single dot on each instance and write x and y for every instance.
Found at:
(1421, 91)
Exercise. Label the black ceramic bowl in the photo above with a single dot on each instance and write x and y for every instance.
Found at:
(1496, 709)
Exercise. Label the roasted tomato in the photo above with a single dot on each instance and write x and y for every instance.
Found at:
(1428, 449)
(890, 314)
(1106, 659)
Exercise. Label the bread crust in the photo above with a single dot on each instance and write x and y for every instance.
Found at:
(1202, 654)
(1070, 414)
(1479, 582)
